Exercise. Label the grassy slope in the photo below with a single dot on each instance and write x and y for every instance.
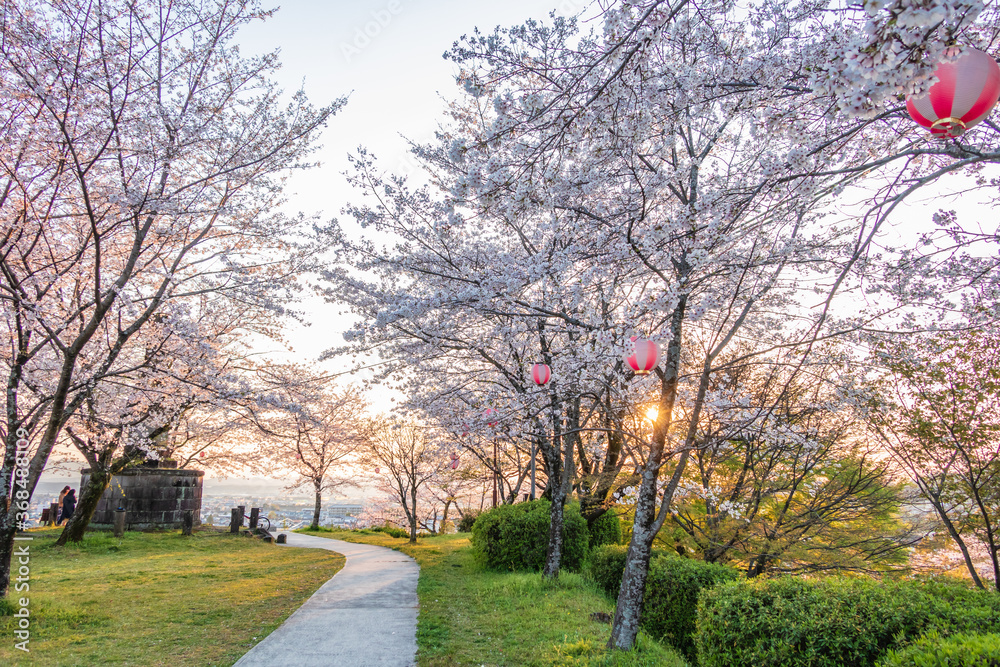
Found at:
(472, 616)
(160, 598)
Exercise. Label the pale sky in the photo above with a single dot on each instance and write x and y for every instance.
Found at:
(387, 56)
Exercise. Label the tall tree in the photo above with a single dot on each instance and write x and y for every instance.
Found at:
(142, 160)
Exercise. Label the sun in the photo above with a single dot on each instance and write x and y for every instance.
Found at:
(651, 413)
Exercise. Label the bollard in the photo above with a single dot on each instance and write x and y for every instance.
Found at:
(45, 516)
(254, 517)
(120, 522)
(236, 521)
(188, 522)
(53, 514)
(282, 538)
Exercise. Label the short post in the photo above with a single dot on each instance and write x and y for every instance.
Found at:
(45, 516)
(236, 521)
(119, 522)
(282, 538)
(188, 522)
(254, 517)
(53, 514)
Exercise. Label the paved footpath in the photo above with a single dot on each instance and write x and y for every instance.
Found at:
(365, 616)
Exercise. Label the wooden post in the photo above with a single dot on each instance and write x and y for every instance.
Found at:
(45, 516)
(254, 517)
(188, 522)
(237, 520)
(119, 522)
(53, 514)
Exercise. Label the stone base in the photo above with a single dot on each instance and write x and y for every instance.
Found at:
(152, 497)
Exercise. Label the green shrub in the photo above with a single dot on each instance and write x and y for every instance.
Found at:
(465, 523)
(606, 530)
(672, 588)
(516, 537)
(835, 622)
(669, 607)
(391, 531)
(959, 651)
(607, 563)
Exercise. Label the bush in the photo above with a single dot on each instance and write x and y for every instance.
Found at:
(465, 523)
(669, 607)
(516, 537)
(391, 531)
(835, 622)
(958, 651)
(672, 588)
(606, 530)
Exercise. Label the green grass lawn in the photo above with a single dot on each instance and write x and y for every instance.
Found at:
(159, 598)
(472, 616)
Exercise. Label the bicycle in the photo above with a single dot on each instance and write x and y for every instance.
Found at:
(263, 522)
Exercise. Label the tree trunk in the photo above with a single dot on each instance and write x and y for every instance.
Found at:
(90, 496)
(7, 548)
(317, 507)
(444, 515)
(553, 556)
(413, 516)
(625, 626)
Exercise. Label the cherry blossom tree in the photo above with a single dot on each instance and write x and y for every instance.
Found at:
(408, 456)
(142, 163)
(938, 418)
(311, 431)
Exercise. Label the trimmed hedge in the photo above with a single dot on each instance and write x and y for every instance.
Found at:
(516, 537)
(606, 530)
(672, 589)
(835, 622)
(958, 651)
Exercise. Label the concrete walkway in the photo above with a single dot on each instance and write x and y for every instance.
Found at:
(365, 616)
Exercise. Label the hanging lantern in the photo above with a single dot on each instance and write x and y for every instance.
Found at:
(490, 414)
(377, 470)
(298, 456)
(642, 355)
(454, 460)
(201, 454)
(541, 374)
(965, 94)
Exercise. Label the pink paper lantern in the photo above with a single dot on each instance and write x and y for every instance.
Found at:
(965, 94)
(541, 374)
(642, 355)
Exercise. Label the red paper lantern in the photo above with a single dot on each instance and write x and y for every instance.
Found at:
(454, 460)
(201, 454)
(490, 413)
(965, 94)
(541, 374)
(377, 470)
(642, 355)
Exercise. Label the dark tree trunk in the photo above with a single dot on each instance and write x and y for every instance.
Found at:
(413, 515)
(553, 556)
(90, 496)
(7, 548)
(628, 612)
(317, 507)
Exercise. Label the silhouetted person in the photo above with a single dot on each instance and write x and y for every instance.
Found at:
(68, 505)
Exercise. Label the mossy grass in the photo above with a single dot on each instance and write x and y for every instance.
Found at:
(473, 616)
(159, 598)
